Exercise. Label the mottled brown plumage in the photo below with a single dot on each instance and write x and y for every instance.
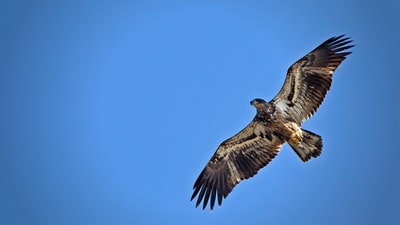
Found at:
(276, 122)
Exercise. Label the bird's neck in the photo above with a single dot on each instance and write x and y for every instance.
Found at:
(266, 113)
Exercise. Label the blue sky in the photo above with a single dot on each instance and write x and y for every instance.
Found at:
(110, 110)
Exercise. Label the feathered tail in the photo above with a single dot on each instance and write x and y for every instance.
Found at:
(310, 146)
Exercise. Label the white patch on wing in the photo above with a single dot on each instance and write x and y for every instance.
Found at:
(283, 105)
(259, 129)
(234, 172)
(229, 147)
(298, 83)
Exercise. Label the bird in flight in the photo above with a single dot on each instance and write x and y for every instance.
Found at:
(276, 122)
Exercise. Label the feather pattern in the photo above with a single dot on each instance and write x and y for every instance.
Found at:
(236, 159)
(276, 122)
(310, 78)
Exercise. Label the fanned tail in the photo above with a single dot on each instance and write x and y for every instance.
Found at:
(310, 146)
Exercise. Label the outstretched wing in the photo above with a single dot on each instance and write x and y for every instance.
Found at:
(309, 79)
(236, 159)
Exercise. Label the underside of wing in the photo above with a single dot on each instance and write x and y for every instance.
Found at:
(236, 159)
(309, 79)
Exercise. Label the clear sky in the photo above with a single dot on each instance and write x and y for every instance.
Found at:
(110, 110)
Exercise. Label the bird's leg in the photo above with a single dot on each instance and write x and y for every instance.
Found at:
(296, 136)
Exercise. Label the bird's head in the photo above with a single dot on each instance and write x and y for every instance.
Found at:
(258, 103)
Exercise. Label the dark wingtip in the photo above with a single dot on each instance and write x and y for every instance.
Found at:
(339, 43)
(206, 191)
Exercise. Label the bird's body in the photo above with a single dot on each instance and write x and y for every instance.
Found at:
(276, 122)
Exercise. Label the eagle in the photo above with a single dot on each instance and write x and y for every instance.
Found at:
(278, 121)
